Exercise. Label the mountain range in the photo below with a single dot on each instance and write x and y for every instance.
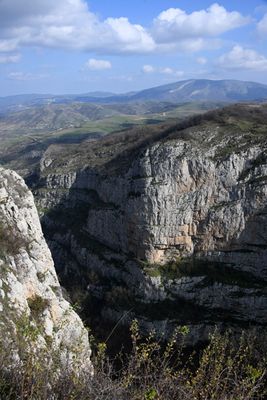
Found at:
(182, 91)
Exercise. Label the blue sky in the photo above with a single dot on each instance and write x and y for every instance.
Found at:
(75, 46)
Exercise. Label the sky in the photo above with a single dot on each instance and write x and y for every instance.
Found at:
(81, 46)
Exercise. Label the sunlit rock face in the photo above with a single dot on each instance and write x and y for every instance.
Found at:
(31, 298)
(178, 236)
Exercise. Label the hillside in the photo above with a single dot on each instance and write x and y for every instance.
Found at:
(25, 135)
(227, 129)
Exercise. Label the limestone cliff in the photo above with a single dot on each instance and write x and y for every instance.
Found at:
(32, 307)
(173, 231)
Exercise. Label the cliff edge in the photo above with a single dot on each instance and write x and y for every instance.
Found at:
(33, 312)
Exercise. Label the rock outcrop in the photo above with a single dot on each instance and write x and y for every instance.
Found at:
(177, 234)
(33, 311)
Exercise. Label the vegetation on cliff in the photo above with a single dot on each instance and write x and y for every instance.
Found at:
(228, 368)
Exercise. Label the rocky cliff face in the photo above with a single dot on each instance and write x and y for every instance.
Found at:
(177, 235)
(32, 307)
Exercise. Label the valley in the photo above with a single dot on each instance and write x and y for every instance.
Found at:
(26, 135)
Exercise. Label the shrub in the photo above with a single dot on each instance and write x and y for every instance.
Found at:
(10, 241)
(228, 368)
(37, 305)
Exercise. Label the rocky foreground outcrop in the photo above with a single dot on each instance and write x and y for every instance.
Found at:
(175, 234)
(33, 311)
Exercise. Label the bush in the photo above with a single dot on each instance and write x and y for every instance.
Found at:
(10, 240)
(228, 368)
(37, 305)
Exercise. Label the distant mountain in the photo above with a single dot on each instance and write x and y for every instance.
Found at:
(24, 101)
(205, 90)
(99, 94)
(178, 92)
(21, 101)
(50, 117)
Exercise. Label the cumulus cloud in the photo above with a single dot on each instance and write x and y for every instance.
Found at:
(133, 38)
(175, 24)
(98, 65)
(148, 69)
(71, 25)
(262, 26)
(240, 58)
(68, 24)
(9, 58)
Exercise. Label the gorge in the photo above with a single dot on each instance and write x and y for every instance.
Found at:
(164, 225)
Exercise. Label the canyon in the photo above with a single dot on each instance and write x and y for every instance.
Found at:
(164, 225)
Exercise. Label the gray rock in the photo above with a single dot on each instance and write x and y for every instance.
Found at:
(30, 294)
(178, 201)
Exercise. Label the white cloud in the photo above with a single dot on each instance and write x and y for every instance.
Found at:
(68, 24)
(98, 65)
(9, 58)
(7, 45)
(148, 69)
(25, 76)
(167, 70)
(190, 45)
(134, 38)
(174, 24)
(171, 72)
(262, 26)
(201, 60)
(240, 58)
